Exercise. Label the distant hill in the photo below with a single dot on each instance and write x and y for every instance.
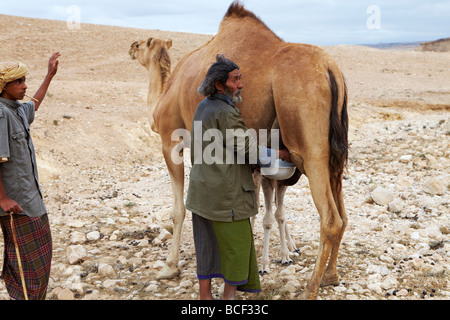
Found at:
(441, 45)
(395, 45)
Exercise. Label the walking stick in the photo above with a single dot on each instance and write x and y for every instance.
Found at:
(18, 258)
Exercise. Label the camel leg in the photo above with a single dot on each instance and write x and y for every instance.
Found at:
(257, 179)
(290, 243)
(280, 216)
(176, 173)
(281, 220)
(331, 224)
(331, 276)
(268, 221)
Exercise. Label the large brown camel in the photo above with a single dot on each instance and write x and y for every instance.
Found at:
(298, 85)
(153, 55)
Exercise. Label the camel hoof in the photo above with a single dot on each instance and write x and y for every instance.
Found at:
(330, 281)
(285, 262)
(167, 273)
(306, 295)
(264, 269)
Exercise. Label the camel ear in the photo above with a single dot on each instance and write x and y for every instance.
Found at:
(149, 42)
(169, 44)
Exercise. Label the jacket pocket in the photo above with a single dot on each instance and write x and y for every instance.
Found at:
(19, 147)
(249, 197)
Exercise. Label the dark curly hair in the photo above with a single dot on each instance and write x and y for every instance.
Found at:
(218, 71)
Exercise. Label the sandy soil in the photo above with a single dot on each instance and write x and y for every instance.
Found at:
(101, 170)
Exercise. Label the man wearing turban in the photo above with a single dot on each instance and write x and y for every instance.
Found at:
(23, 215)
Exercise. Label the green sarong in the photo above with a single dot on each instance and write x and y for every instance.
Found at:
(237, 257)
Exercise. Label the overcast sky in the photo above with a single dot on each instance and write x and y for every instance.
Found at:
(321, 22)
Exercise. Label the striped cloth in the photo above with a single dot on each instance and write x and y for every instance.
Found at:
(226, 250)
(35, 246)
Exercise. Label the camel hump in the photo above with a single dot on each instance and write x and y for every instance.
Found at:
(238, 10)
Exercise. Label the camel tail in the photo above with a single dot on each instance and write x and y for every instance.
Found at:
(338, 134)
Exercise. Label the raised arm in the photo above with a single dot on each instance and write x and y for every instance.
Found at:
(52, 69)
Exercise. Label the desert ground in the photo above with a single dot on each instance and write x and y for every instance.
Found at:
(108, 192)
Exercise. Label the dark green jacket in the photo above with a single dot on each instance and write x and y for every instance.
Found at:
(221, 189)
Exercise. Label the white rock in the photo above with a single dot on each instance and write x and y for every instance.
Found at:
(159, 264)
(124, 220)
(110, 221)
(93, 236)
(395, 206)
(94, 295)
(434, 186)
(79, 287)
(386, 259)
(376, 286)
(389, 283)
(422, 247)
(76, 254)
(288, 271)
(383, 217)
(384, 271)
(340, 289)
(66, 294)
(403, 182)
(111, 283)
(186, 284)
(113, 237)
(106, 270)
(402, 293)
(122, 260)
(399, 247)
(406, 158)
(415, 236)
(76, 224)
(372, 269)
(68, 271)
(415, 263)
(382, 196)
(152, 288)
(143, 243)
(77, 237)
(164, 235)
(290, 287)
(433, 232)
(182, 263)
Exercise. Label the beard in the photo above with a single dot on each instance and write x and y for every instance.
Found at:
(235, 97)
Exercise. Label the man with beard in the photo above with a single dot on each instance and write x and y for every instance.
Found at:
(221, 194)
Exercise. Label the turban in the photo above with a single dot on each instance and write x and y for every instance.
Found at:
(10, 71)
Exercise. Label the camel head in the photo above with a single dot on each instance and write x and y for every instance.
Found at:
(151, 49)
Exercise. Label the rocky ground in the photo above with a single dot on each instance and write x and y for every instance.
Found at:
(109, 197)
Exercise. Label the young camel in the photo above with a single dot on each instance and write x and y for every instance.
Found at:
(153, 55)
(274, 192)
(299, 85)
